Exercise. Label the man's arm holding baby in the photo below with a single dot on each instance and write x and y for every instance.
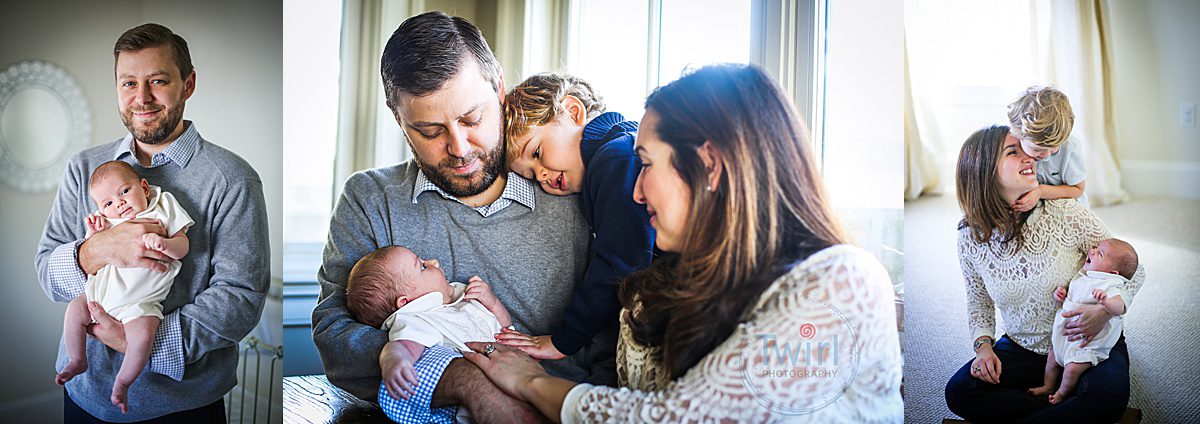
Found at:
(350, 350)
(66, 256)
(231, 304)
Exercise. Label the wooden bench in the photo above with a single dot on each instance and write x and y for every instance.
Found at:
(1132, 416)
(313, 399)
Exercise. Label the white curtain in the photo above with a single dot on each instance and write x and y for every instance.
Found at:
(920, 166)
(1070, 51)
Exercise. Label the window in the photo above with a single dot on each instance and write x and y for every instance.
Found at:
(310, 57)
(626, 48)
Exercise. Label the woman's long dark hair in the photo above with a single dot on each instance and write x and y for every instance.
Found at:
(977, 182)
(767, 212)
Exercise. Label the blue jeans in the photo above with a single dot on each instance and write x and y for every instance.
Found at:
(1101, 395)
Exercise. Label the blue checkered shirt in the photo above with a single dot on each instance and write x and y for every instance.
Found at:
(415, 409)
(68, 280)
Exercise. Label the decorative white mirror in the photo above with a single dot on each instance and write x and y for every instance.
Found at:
(44, 119)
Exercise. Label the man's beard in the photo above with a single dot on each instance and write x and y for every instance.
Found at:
(152, 135)
(469, 185)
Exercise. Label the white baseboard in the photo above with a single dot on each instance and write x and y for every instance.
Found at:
(1161, 178)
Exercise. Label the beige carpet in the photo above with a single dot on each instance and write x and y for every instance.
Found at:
(1162, 328)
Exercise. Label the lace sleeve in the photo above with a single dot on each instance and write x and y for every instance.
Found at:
(981, 310)
(821, 345)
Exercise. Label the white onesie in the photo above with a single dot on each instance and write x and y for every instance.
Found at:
(1080, 293)
(429, 321)
(128, 293)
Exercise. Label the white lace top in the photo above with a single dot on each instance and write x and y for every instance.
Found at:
(1021, 284)
(840, 296)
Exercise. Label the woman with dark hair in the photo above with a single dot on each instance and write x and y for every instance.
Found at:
(1013, 261)
(758, 311)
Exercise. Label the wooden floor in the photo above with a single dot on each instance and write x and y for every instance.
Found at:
(312, 399)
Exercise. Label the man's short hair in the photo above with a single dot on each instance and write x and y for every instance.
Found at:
(113, 167)
(427, 50)
(1042, 115)
(371, 289)
(1125, 258)
(155, 35)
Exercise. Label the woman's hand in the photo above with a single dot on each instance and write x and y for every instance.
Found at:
(539, 347)
(1091, 319)
(986, 365)
(509, 368)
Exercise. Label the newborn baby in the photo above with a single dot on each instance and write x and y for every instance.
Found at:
(131, 295)
(1107, 269)
(395, 290)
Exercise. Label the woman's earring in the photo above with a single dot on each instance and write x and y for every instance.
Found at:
(708, 188)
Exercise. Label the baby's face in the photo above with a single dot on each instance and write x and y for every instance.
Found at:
(120, 196)
(1102, 258)
(424, 276)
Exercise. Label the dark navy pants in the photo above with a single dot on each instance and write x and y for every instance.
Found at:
(1101, 395)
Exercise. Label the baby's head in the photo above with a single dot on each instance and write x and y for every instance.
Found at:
(387, 279)
(544, 118)
(1114, 257)
(1042, 119)
(118, 190)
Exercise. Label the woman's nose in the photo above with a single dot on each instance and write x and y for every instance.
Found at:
(433, 263)
(638, 197)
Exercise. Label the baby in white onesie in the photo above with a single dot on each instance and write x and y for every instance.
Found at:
(395, 290)
(1108, 267)
(131, 295)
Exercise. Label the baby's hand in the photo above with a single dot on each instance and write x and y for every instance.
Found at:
(1060, 294)
(539, 347)
(154, 242)
(399, 376)
(96, 223)
(480, 290)
(1099, 295)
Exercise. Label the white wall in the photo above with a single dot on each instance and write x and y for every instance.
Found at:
(1155, 67)
(236, 48)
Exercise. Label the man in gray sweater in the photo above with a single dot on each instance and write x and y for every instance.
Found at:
(455, 202)
(218, 295)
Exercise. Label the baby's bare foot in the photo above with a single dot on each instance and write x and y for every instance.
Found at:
(1041, 391)
(68, 372)
(1058, 396)
(119, 396)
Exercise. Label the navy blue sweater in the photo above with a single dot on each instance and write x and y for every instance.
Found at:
(622, 238)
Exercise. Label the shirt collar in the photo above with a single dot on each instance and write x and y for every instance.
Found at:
(599, 127)
(516, 189)
(1099, 275)
(179, 152)
(433, 300)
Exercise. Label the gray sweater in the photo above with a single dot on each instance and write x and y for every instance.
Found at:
(530, 257)
(216, 299)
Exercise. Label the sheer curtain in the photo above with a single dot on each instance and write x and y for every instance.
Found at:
(1071, 51)
(920, 165)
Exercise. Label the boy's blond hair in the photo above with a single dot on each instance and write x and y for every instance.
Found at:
(1042, 115)
(537, 101)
